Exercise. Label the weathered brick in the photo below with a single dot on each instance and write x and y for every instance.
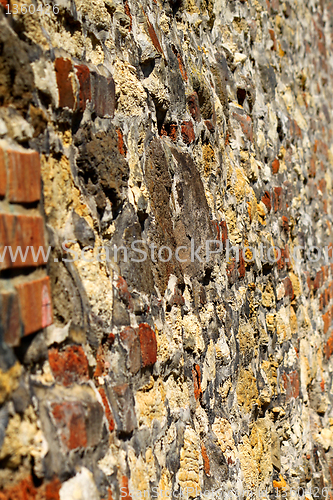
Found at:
(278, 199)
(148, 345)
(83, 74)
(21, 231)
(129, 339)
(327, 319)
(288, 287)
(266, 199)
(124, 294)
(121, 143)
(3, 174)
(79, 423)
(63, 68)
(170, 130)
(275, 166)
(181, 65)
(103, 95)
(246, 125)
(122, 403)
(188, 134)
(329, 347)
(35, 304)
(107, 408)
(24, 490)
(70, 365)
(10, 323)
(24, 176)
(70, 419)
(205, 459)
(291, 384)
(194, 107)
(196, 374)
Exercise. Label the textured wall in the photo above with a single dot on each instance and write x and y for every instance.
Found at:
(165, 121)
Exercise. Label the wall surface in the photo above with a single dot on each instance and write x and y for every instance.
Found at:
(173, 122)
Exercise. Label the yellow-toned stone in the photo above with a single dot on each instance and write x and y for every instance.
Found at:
(177, 394)
(129, 90)
(23, 438)
(268, 298)
(9, 381)
(188, 474)
(246, 337)
(223, 431)
(150, 405)
(248, 463)
(247, 392)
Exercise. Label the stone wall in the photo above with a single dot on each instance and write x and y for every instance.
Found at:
(172, 122)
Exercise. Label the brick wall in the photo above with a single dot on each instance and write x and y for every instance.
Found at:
(166, 123)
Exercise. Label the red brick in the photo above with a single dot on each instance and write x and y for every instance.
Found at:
(21, 231)
(288, 287)
(63, 69)
(101, 368)
(107, 407)
(275, 166)
(104, 96)
(291, 384)
(285, 223)
(196, 374)
(318, 281)
(170, 130)
(125, 488)
(329, 347)
(278, 204)
(266, 199)
(70, 418)
(327, 319)
(3, 174)
(24, 176)
(10, 322)
(210, 126)
(69, 366)
(205, 459)
(188, 134)
(83, 75)
(312, 169)
(181, 65)
(151, 32)
(124, 294)
(322, 186)
(128, 13)
(24, 490)
(224, 231)
(52, 490)
(148, 345)
(241, 266)
(193, 106)
(35, 304)
(272, 35)
(281, 261)
(121, 144)
(246, 124)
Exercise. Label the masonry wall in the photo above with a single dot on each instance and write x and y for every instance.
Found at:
(173, 123)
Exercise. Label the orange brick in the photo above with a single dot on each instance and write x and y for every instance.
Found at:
(35, 304)
(3, 174)
(24, 176)
(21, 231)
